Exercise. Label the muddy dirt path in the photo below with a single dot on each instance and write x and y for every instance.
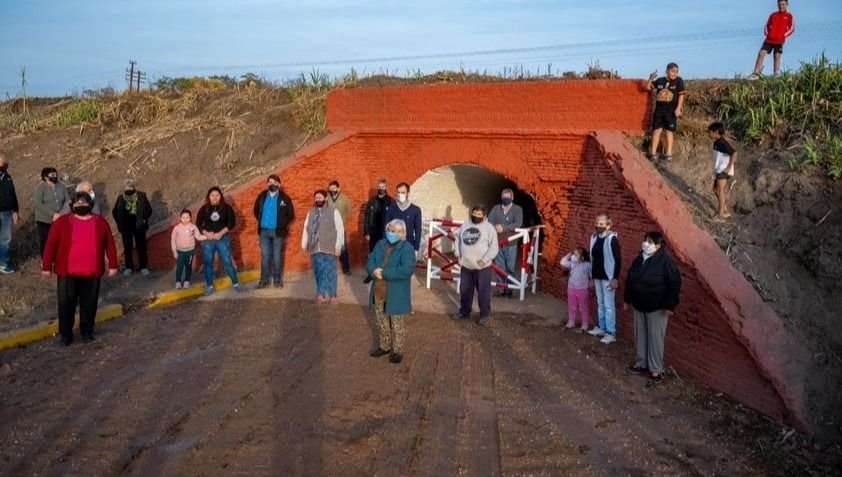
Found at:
(285, 387)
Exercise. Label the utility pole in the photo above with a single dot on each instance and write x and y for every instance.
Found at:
(139, 75)
(130, 74)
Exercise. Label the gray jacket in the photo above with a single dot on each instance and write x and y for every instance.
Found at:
(475, 242)
(509, 221)
(49, 200)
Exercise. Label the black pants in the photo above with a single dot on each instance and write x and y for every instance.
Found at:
(373, 242)
(43, 233)
(131, 238)
(479, 280)
(72, 292)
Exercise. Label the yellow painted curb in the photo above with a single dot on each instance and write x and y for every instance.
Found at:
(31, 334)
(175, 296)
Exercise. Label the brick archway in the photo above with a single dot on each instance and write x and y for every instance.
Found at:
(563, 142)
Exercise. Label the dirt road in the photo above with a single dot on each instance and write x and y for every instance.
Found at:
(286, 387)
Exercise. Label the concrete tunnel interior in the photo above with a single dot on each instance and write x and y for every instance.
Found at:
(449, 193)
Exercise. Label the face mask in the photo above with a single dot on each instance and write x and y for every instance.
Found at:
(392, 237)
(320, 203)
(52, 179)
(601, 230)
(381, 192)
(274, 187)
(506, 201)
(477, 220)
(334, 194)
(4, 167)
(130, 192)
(401, 198)
(82, 210)
(648, 248)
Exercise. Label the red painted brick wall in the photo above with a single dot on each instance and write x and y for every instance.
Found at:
(535, 134)
(569, 105)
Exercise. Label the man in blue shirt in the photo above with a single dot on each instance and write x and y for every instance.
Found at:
(409, 213)
(274, 212)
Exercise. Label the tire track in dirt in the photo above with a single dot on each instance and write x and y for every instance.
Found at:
(479, 453)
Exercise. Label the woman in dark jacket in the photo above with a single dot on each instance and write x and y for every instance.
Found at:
(215, 219)
(653, 285)
(132, 212)
(391, 264)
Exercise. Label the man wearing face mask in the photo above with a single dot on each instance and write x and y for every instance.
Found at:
(476, 247)
(8, 214)
(76, 250)
(375, 217)
(274, 212)
(50, 197)
(605, 271)
(132, 212)
(87, 188)
(506, 217)
(341, 203)
(409, 213)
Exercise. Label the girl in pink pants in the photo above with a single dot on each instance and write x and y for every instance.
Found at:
(579, 264)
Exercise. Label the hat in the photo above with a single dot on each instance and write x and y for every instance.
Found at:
(128, 184)
(83, 196)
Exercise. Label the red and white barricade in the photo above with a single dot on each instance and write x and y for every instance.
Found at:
(448, 264)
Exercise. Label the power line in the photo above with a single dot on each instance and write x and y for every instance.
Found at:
(690, 37)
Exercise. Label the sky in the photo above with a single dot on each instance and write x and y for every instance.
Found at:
(68, 46)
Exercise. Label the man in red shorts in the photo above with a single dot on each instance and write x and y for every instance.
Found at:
(778, 28)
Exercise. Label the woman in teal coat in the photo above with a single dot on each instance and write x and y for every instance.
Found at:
(391, 264)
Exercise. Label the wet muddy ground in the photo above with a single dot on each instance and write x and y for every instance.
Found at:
(286, 387)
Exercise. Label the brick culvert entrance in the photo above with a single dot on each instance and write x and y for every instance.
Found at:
(563, 143)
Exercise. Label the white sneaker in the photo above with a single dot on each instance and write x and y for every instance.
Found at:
(608, 339)
(596, 331)
(177, 285)
(145, 272)
(127, 272)
(186, 284)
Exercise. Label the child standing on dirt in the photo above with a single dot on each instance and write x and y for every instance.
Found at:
(184, 237)
(669, 103)
(724, 157)
(579, 264)
(779, 27)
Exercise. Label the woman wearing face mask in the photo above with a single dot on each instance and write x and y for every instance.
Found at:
(215, 219)
(653, 286)
(132, 212)
(50, 197)
(322, 239)
(76, 249)
(391, 263)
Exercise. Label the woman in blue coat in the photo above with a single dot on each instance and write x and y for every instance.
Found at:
(391, 264)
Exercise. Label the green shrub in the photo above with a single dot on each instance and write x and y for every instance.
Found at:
(801, 109)
(82, 111)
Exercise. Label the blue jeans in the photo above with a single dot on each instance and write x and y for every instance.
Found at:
(324, 268)
(606, 310)
(5, 237)
(271, 256)
(506, 259)
(184, 265)
(209, 250)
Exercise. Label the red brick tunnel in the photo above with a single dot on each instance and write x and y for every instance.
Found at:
(541, 138)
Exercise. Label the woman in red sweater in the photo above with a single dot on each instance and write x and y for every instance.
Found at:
(76, 249)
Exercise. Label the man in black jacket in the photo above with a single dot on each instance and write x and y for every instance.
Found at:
(274, 212)
(132, 212)
(653, 286)
(375, 217)
(8, 214)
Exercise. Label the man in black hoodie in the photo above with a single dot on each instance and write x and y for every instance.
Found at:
(8, 214)
(653, 286)
(375, 217)
(274, 212)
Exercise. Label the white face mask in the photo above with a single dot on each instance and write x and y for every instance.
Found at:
(401, 198)
(648, 248)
